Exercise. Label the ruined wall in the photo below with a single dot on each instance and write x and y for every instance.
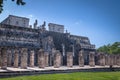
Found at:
(13, 36)
(21, 37)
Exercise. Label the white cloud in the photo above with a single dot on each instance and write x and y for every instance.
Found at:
(78, 22)
(31, 16)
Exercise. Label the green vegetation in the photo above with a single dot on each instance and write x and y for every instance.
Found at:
(110, 48)
(18, 2)
(72, 76)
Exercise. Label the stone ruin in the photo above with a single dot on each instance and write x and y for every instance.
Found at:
(19, 59)
(26, 46)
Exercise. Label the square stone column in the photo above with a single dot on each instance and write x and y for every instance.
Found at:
(92, 59)
(102, 59)
(41, 58)
(46, 59)
(114, 60)
(24, 56)
(4, 58)
(118, 60)
(81, 58)
(9, 58)
(69, 59)
(107, 59)
(16, 58)
(111, 59)
(0, 58)
(32, 58)
(57, 59)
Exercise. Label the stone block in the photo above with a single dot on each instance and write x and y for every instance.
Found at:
(41, 58)
(24, 56)
(46, 59)
(32, 58)
(0, 58)
(92, 59)
(69, 59)
(118, 60)
(57, 59)
(81, 58)
(16, 58)
(4, 58)
(102, 59)
(9, 58)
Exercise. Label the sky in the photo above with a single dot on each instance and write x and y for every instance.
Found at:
(99, 20)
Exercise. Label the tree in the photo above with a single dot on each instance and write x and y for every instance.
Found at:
(110, 48)
(18, 2)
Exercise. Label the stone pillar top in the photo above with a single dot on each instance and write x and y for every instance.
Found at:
(54, 50)
(69, 52)
(92, 52)
(57, 51)
(81, 51)
(24, 49)
(41, 50)
(16, 50)
(46, 52)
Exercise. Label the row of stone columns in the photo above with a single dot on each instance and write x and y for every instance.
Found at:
(43, 58)
(6, 58)
(81, 59)
(102, 59)
(105, 59)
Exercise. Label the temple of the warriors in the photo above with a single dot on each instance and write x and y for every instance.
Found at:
(23, 45)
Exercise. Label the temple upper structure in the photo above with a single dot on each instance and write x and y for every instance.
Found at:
(16, 21)
(56, 27)
(15, 32)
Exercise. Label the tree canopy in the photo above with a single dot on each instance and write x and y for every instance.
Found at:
(110, 48)
(18, 2)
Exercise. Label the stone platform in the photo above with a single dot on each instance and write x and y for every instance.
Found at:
(10, 72)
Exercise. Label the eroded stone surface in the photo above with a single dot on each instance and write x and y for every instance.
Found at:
(16, 58)
(57, 59)
(46, 59)
(81, 58)
(9, 58)
(41, 58)
(92, 59)
(102, 59)
(118, 60)
(0, 58)
(4, 58)
(31, 58)
(69, 59)
(24, 55)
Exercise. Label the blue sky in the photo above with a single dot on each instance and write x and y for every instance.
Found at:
(97, 19)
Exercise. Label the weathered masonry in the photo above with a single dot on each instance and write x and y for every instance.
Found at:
(22, 46)
(24, 58)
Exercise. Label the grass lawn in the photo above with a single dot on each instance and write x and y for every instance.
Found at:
(71, 76)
